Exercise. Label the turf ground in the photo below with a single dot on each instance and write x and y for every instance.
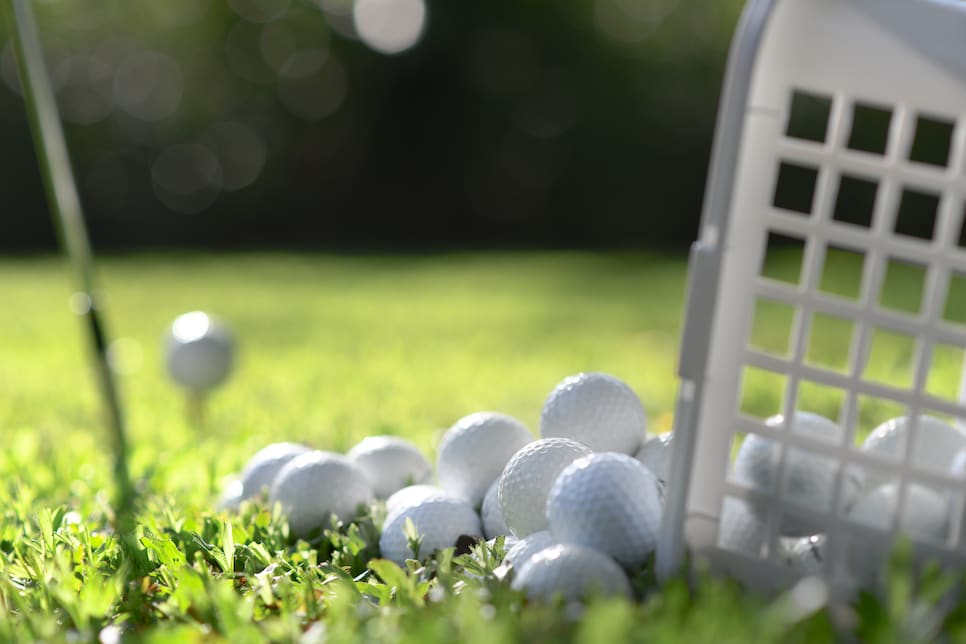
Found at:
(333, 348)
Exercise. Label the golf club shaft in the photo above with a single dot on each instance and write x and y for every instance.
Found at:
(68, 219)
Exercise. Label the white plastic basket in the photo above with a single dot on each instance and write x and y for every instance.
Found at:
(819, 145)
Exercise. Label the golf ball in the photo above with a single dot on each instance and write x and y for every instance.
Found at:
(262, 468)
(571, 571)
(316, 485)
(741, 529)
(413, 495)
(937, 443)
(655, 454)
(391, 463)
(474, 451)
(439, 521)
(528, 546)
(925, 515)
(492, 514)
(610, 502)
(528, 477)
(200, 352)
(808, 478)
(597, 410)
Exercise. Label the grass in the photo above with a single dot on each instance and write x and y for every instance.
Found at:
(334, 348)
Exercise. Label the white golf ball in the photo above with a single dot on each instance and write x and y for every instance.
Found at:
(926, 515)
(414, 495)
(936, 444)
(439, 521)
(391, 463)
(610, 502)
(572, 572)
(741, 529)
(492, 514)
(655, 454)
(597, 410)
(474, 451)
(200, 352)
(528, 546)
(262, 468)
(528, 477)
(808, 477)
(316, 485)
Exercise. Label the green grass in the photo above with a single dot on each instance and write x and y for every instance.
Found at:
(333, 349)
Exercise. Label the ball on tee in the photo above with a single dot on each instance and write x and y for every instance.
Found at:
(200, 352)
(597, 410)
(316, 485)
(391, 463)
(474, 451)
(528, 477)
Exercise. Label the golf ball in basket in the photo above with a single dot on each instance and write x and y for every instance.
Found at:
(925, 515)
(572, 572)
(492, 514)
(936, 444)
(316, 485)
(200, 351)
(413, 495)
(440, 521)
(528, 546)
(741, 529)
(391, 463)
(655, 454)
(597, 410)
(610, 502)
(808, 477)
(474, 451)
(528, 477)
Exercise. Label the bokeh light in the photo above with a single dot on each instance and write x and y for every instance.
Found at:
(148, 85)
(186, 177)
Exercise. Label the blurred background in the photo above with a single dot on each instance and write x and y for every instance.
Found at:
(342, 124)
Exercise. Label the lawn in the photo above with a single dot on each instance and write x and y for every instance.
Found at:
(333, 348)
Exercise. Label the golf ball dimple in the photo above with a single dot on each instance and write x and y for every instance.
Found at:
(937, 443)
(200, 352)
(597, 410)
(528, 477)
(316, 485)
(528, 546)
(439, 521)
(610, 502)
(474, 451)
(262, 468)
(808, 478)
(492, 514)
(391, 463)
(572, 572)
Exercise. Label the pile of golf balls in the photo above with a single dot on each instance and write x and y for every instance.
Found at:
(581, 504)
(869, 497)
